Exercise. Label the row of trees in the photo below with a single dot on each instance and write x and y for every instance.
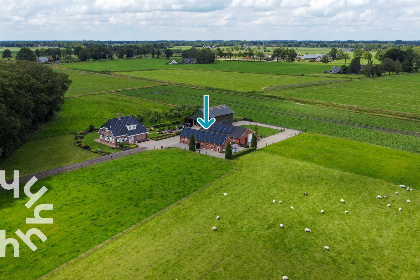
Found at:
(284, 54)
(30, 95)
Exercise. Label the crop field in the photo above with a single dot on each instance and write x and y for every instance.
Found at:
(294, 68)
(95, 203)
(78, 113)
(44, 154)
(351, 125)
(373, 241)
(395, 92)
(225, 80)
(86, 82)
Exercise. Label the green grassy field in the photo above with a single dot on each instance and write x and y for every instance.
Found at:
(378, 130)
(354, 157)
(225, 80)
(44, 154)
(233, 66)
(78, 113)
(95, 203)
(395, 92)
(371, 242)
(85, 82)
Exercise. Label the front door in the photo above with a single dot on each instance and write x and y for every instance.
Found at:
(131, 139)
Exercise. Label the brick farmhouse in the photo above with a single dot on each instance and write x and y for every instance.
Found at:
(122, 130)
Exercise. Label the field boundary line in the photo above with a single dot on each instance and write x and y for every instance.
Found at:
(135, 226)
(111, 91)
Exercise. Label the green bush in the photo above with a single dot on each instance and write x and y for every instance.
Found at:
(243, 152)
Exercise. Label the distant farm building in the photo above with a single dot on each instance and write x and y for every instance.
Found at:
(217, 136)
(336, 70)
(221, 113)
(316, 57)
(173, 62)
(122, 130)
(189, 60)
(42, 59)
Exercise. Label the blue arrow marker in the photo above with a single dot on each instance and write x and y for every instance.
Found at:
(206, 123)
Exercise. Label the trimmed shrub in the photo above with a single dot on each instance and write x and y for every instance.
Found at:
(243, 152)
(228, 152)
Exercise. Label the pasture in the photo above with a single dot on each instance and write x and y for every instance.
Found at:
(224, 80)
(85, 82)
(371, 242)
(95, 203)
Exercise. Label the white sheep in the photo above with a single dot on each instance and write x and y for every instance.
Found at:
(400, 209)
(214, 228)
(291, 207)
(378, 196)
(280, 201)
(342, 200)
(218, 218)
(285, 278)
(346, 212)
(411, 189)
(225, 194)
(327, 248)
(274, 201)
(307, 230)
(385, 196)
(408, 201)
(408, 188)
(281, 225)
(402, 186)
(322, 211)
(389, 205)
(396, 193)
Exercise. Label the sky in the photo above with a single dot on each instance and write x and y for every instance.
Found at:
(150, 20)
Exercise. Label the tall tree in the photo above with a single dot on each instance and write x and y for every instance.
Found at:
(168, 53)
(26, 54)
(345, 57)
(7, 54)
(228, 151)
(192, 143)
(333, 53)
(355, 65)
(254, 141)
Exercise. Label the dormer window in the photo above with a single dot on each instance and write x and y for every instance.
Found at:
(131, 127)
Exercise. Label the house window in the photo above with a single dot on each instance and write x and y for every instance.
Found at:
(218, 149)
(211, 147)
(131, 127)
(201, 145)
(101, 136)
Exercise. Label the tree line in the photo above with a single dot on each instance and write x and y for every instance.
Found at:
(30, 95)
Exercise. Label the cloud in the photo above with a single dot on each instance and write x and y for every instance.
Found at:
(205, 19)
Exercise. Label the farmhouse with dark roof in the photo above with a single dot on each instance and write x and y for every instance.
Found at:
(221, 113)
(217, 136)
(122, 130)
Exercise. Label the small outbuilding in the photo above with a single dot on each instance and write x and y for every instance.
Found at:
(189, 60)
(126, 129)
(221, 113)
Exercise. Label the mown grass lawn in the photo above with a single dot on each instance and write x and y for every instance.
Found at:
(225, 80)
(78, 113)
(262, 131)
(395, 92)
(87, 82)
(371, 242)
(90, 138)
(44, 154)
(95, 203)
(387, 164)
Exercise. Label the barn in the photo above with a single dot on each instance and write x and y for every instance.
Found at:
(221, 113)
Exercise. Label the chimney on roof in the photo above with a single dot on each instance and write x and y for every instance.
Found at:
(119, 116)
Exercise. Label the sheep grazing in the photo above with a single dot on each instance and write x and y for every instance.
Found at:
(307, 230)
(408, 188)
(285, 278)
(379, 197)
(327, 248)
(291, 207)
(274, 201)
(218, 218)
(280, 201)
(346, 212)
(411, 189)
(402, 186)
(342, 200)
(396, 193)
(214, 228)
(322, 211)
(281, 225)
(400, 209)
(408, 201)
(225, 194)
(389, 205)
(305, 193)
(385, 196)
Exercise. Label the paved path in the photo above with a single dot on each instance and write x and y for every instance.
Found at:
(172, 142)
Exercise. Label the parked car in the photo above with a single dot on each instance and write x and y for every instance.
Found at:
(186, 125)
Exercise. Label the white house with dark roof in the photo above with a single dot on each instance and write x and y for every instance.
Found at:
(126, 129)
(221, 113)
